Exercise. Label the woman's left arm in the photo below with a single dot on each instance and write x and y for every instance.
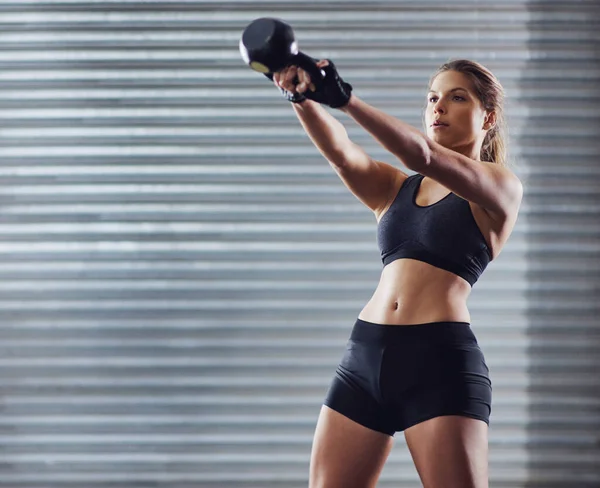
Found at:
(489, 185)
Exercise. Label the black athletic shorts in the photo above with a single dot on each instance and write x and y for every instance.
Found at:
(392, 377)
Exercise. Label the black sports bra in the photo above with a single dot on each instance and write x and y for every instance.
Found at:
(443, 234)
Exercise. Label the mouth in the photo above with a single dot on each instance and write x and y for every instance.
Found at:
(439, 124)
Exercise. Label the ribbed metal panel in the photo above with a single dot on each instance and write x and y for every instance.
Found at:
(180, 268)
(563, 429)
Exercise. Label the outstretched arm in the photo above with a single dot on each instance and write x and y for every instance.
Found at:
(489, 185)
(369, 180)
(401, 139)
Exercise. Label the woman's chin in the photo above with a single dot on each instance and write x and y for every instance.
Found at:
(438, 136)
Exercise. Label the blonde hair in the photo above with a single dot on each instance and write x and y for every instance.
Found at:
(491, 95)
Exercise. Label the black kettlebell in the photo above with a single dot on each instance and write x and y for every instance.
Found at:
(268, 45)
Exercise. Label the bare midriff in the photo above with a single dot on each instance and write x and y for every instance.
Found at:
(413, 292)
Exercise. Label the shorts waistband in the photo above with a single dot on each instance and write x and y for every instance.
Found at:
(371, 332)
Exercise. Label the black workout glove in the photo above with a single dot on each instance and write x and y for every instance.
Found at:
(331, 91)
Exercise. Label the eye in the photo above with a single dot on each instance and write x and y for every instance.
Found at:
(433, 99)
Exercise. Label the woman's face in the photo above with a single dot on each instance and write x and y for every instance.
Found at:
(452, 102)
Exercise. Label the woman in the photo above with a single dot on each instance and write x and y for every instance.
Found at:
(412, 363)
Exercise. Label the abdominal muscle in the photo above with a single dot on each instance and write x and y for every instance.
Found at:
(413, 292)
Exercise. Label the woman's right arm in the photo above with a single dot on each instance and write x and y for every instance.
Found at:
(329, 135)
(372, 182)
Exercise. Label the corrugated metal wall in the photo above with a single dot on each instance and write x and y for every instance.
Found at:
(560, 143)
(180, 269)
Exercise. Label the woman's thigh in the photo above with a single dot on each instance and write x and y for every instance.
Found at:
(450, 452)
(345, 454)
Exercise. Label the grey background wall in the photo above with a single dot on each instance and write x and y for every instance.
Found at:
(563, 432)
(180, 269)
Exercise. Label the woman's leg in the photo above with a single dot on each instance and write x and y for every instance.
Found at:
(345, 454)
(450, 452)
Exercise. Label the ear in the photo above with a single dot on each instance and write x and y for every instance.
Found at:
(489, 121)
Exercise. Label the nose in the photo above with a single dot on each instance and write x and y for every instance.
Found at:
(439, 108)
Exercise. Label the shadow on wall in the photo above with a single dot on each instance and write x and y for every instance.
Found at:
(560, 143)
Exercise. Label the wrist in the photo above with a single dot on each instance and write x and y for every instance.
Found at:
(305, 104)
(351, 105)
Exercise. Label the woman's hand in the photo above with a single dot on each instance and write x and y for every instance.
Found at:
(295, 79)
